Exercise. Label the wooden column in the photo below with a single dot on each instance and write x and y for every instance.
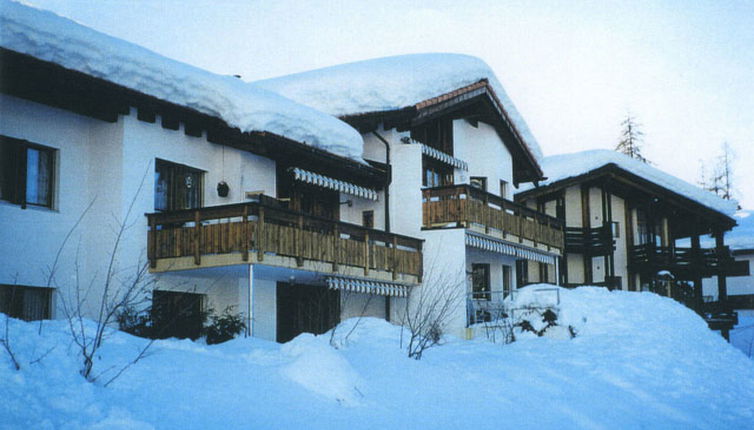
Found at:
(299, 237)
(245, 243)
(197, 239)
(395, 257)
(366, 253)
(696, 256)
(335, 247)
(629, 244)
(722, 286)
(260, 234)
(586, 225)
(153, 242)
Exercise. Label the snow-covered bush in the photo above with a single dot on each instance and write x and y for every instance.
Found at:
(224, 327)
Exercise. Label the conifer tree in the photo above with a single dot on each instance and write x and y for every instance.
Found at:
(631, 139)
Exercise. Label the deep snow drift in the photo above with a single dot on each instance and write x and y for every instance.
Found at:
(639, 361)
(52, 38)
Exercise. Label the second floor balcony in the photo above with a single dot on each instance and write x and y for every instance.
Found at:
(589, 241)
(472, 208)
(265, 232)
(650, 258)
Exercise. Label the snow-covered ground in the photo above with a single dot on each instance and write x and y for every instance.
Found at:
(638, 361)
(742, 335)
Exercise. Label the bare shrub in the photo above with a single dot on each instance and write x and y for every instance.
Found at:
(429, 310)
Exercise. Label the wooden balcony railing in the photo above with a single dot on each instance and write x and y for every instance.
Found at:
(264, 226)
(465, 205)
(649, 257)
(590, 241)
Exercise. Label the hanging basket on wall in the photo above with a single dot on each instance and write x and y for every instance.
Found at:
(223, 189)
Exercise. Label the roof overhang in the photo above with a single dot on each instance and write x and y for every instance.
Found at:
(48, 83)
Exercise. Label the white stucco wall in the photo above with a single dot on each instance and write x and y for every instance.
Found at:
(486, 154)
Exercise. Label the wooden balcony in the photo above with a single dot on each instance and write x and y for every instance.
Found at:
(589, 241)
(681, 262)
(465, 206)
(264, 232)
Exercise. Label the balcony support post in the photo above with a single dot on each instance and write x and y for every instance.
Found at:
(299, 238)
(245, 229)
(722, 286)
(197, 239)
(366, 253)
(152, 242)
(260, 234)
(696, 262)
(335, 247)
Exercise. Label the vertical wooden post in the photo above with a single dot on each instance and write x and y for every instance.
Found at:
(366, 253)
(260, 234)
(586, 227)
(245, 242)
(335, 247)
(153, 242)
(629, 228)
(722, 285)
(197, 238)
(696, 261)
(395, 258)
(299, 238)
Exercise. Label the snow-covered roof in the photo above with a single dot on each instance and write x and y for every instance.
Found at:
(52, 38)
(391, 83)
(559, 167)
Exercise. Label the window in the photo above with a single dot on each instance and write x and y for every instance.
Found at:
(507, 280)
(436, 174)
(367, 219)
(437, 134)
(177, 187)
(480, 281)
(543, 273)
(26, 173)
(503, 189)
(26, 303)
(479, 182)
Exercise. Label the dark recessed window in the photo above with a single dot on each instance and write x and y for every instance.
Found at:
(26, 172)
(177, 186)
(26, 303)
(367, 219)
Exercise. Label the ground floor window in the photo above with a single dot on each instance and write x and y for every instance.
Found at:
(177, 314)
(26, 303)
(480, 281)
(507, 280)
(305, 309)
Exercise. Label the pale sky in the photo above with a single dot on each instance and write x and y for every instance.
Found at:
(574, 69)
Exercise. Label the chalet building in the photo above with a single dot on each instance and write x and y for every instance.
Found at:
(455, 150)
(740, 289)
(232, 195)
(626, 223)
